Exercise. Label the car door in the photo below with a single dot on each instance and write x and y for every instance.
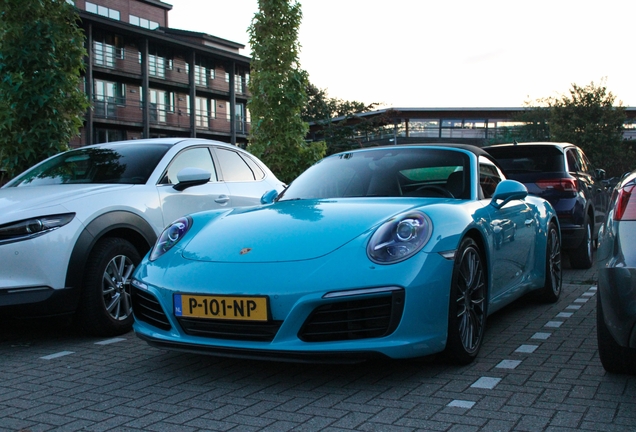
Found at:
(209, 196)
(242, 176)
(598, 193)
(513, 234)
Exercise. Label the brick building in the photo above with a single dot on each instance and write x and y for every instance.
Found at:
(145, 79)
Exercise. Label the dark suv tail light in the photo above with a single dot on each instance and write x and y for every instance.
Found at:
(625, 204)
(562, 184)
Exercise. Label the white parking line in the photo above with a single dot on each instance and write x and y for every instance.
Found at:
(528, 349)
(56, 355)
(541, 336)
(490, 383)
(508, 364)
(553, 324)
(110, 341)
(461, 404)
(486, 383)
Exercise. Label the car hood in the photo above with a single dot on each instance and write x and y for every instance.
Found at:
(289, 230)
(23, 202)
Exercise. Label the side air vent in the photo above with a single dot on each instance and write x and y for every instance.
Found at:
(356, 318)
(146, 308)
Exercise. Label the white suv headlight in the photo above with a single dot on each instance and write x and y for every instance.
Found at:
(34, 227)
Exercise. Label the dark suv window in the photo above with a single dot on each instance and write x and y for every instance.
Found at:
(527, 159)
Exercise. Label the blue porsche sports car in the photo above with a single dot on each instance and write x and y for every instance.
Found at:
(396, 252)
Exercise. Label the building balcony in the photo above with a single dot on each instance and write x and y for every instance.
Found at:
(118, 111)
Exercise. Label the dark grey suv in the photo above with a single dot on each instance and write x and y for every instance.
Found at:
(563, 175)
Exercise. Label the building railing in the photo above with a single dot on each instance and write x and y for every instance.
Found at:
(491, 133)
(113, 110)
(128, 60)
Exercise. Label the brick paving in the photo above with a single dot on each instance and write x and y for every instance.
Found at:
(538, 371)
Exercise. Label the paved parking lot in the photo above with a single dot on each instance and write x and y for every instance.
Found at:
(538, 371)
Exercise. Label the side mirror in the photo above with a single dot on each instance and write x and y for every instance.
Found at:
(189, 177)
(507, 191)
(269, 196)
(599, 173)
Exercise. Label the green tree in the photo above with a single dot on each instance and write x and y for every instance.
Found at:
(41, 60)
(590, 118)
(342, 135)
(277, 84)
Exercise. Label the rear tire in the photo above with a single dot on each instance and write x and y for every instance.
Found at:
(583, 256)
(467, 309)
(105, 308)
(614, 358)
(551, 291)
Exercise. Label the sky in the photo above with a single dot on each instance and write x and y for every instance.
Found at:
(452, 53)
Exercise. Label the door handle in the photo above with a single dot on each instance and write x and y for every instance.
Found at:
(222, 199)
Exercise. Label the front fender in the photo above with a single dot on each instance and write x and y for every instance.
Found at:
(137, 227)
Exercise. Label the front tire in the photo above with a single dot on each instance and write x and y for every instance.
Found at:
(467, 309)
(614, 358)
(582, 257)
(105, 308)
(551, 291)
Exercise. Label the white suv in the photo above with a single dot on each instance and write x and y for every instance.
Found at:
(73, 227)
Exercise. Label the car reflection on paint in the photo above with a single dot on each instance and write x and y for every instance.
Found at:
(503, 230)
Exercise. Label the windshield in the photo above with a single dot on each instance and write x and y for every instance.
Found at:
(385, 172)
(128, 164)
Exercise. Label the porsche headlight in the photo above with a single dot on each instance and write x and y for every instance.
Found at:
(171, 236)
(399, 238)
(34, 227)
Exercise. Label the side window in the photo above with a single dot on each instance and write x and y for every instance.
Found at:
(572, 161)
(489, 177)
(198, 157)
(585, 163)
(233, 167)
(258, 172)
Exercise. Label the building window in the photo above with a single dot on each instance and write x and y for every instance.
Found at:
(201, 114)
(157, 64)
(200, 75)
(212, 108)
(157, 106)
(142, 22)
(113, 92)
(106, 49)
(107, 96)
(108, 135)
(239, 117)
(238, 82)
(103, 11)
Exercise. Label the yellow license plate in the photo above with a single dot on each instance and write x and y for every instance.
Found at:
(221, 307)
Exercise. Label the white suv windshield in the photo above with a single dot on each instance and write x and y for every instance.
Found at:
(129, 164)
